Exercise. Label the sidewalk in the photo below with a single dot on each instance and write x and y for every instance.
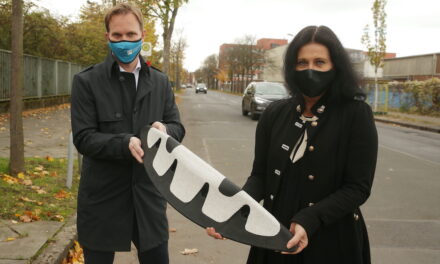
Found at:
(427, 123)
(47, 242)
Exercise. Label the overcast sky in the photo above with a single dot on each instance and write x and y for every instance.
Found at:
(413, 26)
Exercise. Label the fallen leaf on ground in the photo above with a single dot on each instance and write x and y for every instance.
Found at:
(10, 239)
(9, 179)
(39, 168)
(14, 222)
(27, 182)
(58, 218)
(188, 251)
(54, 174)
(25, 219)
(2, 128)
(45, 172)
(25, 199)
(49, 158)
(20, 175)
(34, 187)
(41, 191)
(61, 195)
(75, 255)
(172, 230)
(30, 215)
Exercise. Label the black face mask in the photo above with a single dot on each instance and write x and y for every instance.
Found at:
(313, 83)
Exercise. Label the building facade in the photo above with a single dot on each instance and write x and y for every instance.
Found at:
(417, 67)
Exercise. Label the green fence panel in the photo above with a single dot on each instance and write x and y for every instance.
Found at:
(5, 74)
(30, 72)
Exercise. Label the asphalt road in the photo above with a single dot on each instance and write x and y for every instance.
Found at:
(403, 212)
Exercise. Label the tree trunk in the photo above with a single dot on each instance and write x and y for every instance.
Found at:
(376, 90)
(167, 34)
(177, 73)
(16, 162)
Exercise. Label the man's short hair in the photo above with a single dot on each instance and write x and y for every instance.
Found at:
(123, 9)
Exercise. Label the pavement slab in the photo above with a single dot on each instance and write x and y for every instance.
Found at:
(8, 261)
(59, 245)
(32, 237)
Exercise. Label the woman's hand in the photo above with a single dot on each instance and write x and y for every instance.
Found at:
(211, 232)
(299, 238)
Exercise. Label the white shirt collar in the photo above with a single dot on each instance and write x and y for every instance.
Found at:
(137, 69)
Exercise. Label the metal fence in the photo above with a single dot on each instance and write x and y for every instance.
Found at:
(42, 77)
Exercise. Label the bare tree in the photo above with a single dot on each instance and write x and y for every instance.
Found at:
(244, 60)
(177, 56)
(16, 162)
(166, 12)
(209, 70)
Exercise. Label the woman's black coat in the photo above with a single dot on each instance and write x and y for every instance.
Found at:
(339, 163)
(114, 187)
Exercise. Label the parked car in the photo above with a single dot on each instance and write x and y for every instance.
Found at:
(201, 88)
(258, 95)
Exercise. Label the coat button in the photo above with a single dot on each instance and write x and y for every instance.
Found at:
(311, 148)
(311, 177)
(121, 79)
(271, 196)
(314, 123)
(118, 115)
(356, 217)
(311, 204)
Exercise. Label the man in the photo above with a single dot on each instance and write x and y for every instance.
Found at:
(111, 102)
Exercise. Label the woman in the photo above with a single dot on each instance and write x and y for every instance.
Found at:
(315, 156)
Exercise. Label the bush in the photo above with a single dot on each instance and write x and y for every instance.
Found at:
(425, 96)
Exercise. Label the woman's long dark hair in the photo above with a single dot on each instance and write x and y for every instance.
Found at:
(345, 85)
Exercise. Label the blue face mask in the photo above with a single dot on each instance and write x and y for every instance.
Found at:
(126, 51)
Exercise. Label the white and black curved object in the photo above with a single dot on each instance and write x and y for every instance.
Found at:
(205, 196)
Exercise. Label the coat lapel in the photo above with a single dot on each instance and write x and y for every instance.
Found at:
(144, 87)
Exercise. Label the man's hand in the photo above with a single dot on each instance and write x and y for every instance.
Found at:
(135, 149)
(160, 126)
(299, 238)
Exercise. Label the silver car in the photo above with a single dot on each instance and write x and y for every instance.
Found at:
(201, 88)
(258, 95)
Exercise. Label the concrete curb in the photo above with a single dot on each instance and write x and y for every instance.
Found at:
(420, 127)
(58, 247)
